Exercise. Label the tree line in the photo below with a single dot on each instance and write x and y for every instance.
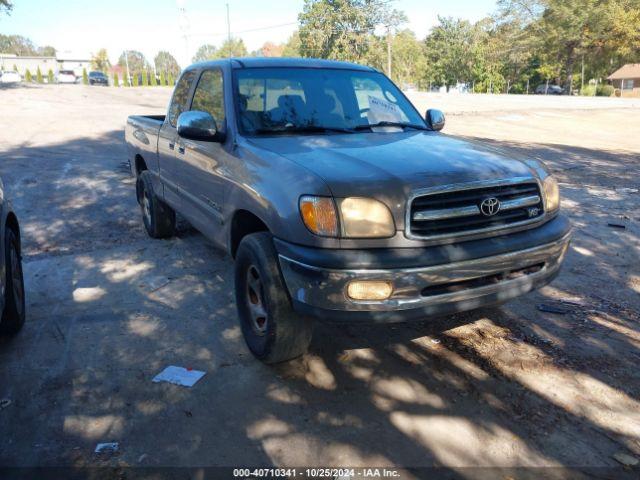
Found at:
(522, 44)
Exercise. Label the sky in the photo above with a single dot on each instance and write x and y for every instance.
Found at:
(80, 27)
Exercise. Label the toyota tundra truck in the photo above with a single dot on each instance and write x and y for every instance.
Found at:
(338, 200)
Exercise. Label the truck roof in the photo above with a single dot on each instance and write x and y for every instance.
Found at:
(276, 62)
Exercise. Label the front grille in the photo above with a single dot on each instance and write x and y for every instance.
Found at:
(460, 211)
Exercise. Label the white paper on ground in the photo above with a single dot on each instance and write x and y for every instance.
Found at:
(179, 376)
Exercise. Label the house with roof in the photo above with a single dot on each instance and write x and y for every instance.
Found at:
(626, 80)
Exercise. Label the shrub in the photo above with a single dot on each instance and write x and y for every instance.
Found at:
(605, 90)
(163, 79)
(152, 79)
(170, 81)
(50, 76)
(85, 77)
(116, 80)
(136, 80)
(27, 76)
(588, 91)
(39, 78)
(145, 78)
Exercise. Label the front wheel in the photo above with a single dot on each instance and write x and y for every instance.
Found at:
(13, 315)
(274, 332)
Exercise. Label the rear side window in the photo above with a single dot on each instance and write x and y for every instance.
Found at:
(180, 100)
(208, 96)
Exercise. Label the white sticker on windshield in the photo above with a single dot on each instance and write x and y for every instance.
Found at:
(381, 110)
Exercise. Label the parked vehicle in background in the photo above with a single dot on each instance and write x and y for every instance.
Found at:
(338, 200)
(98, 78)
(544, 89)
(67, 76)
(10, 77)
(12, 299)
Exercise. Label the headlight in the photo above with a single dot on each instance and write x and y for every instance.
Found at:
(365, 218)
(551, 194)
(319, 215)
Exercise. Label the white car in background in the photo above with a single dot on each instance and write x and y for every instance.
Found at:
(10, 77)
(67, 76)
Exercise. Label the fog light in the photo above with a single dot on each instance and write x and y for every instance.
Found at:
(369, 290)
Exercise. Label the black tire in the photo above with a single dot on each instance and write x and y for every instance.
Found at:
(158, 217)
(14, 313)
(282, 334)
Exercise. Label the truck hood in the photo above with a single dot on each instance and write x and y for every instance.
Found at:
(390, 166)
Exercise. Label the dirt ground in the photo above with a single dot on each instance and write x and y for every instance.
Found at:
(108, 308)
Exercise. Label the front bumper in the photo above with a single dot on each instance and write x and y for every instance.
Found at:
(427, 291)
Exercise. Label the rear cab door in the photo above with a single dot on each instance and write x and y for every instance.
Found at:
(201, 165)
(168, 138)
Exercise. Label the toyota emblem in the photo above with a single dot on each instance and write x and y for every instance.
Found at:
(490, 206)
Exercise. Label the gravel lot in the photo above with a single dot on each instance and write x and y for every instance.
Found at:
(108, 308)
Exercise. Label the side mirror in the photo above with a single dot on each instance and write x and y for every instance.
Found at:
(435, 119)
(198, 125)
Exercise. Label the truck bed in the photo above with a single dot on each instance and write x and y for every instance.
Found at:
(141, 136)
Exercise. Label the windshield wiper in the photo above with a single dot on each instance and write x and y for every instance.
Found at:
(303, 129)
(390, 124)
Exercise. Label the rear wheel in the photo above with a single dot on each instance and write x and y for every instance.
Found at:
(13, 316)
(158, 217)
(273, 331)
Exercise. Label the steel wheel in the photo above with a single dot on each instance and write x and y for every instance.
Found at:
(146, 207)
(255, 301)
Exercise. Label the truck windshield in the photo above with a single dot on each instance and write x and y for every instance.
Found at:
(281, 100)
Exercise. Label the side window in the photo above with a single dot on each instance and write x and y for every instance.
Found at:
(209, 96)
(180, 98)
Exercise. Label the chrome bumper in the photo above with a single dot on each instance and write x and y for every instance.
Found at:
(505, 276)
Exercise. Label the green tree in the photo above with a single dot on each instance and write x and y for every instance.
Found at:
(39, 78)
(100, 61)
(165, 62)
(116, 79)
(234, 47)
(408, 62)
(343, 29)
(137, 61)
(163, 79)
(451, 50)
(50, 78)
(153, 81)
(171, 81)
(205, 52)
(47, 51)
(85, 77)
(17, 44)
(5, 5)
(136, 80)
(27, 76)
(292, 46)
(569, 30)
(126, 80)
(145, 78)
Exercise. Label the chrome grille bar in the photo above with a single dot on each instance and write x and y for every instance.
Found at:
(473, 209)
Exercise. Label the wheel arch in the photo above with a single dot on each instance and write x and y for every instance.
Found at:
(243, 223)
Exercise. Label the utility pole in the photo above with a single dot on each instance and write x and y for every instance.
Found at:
(228, 24)
(389, 51)
(183, 23)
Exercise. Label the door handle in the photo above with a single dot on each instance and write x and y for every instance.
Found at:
(181, 149)
(171, 146)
